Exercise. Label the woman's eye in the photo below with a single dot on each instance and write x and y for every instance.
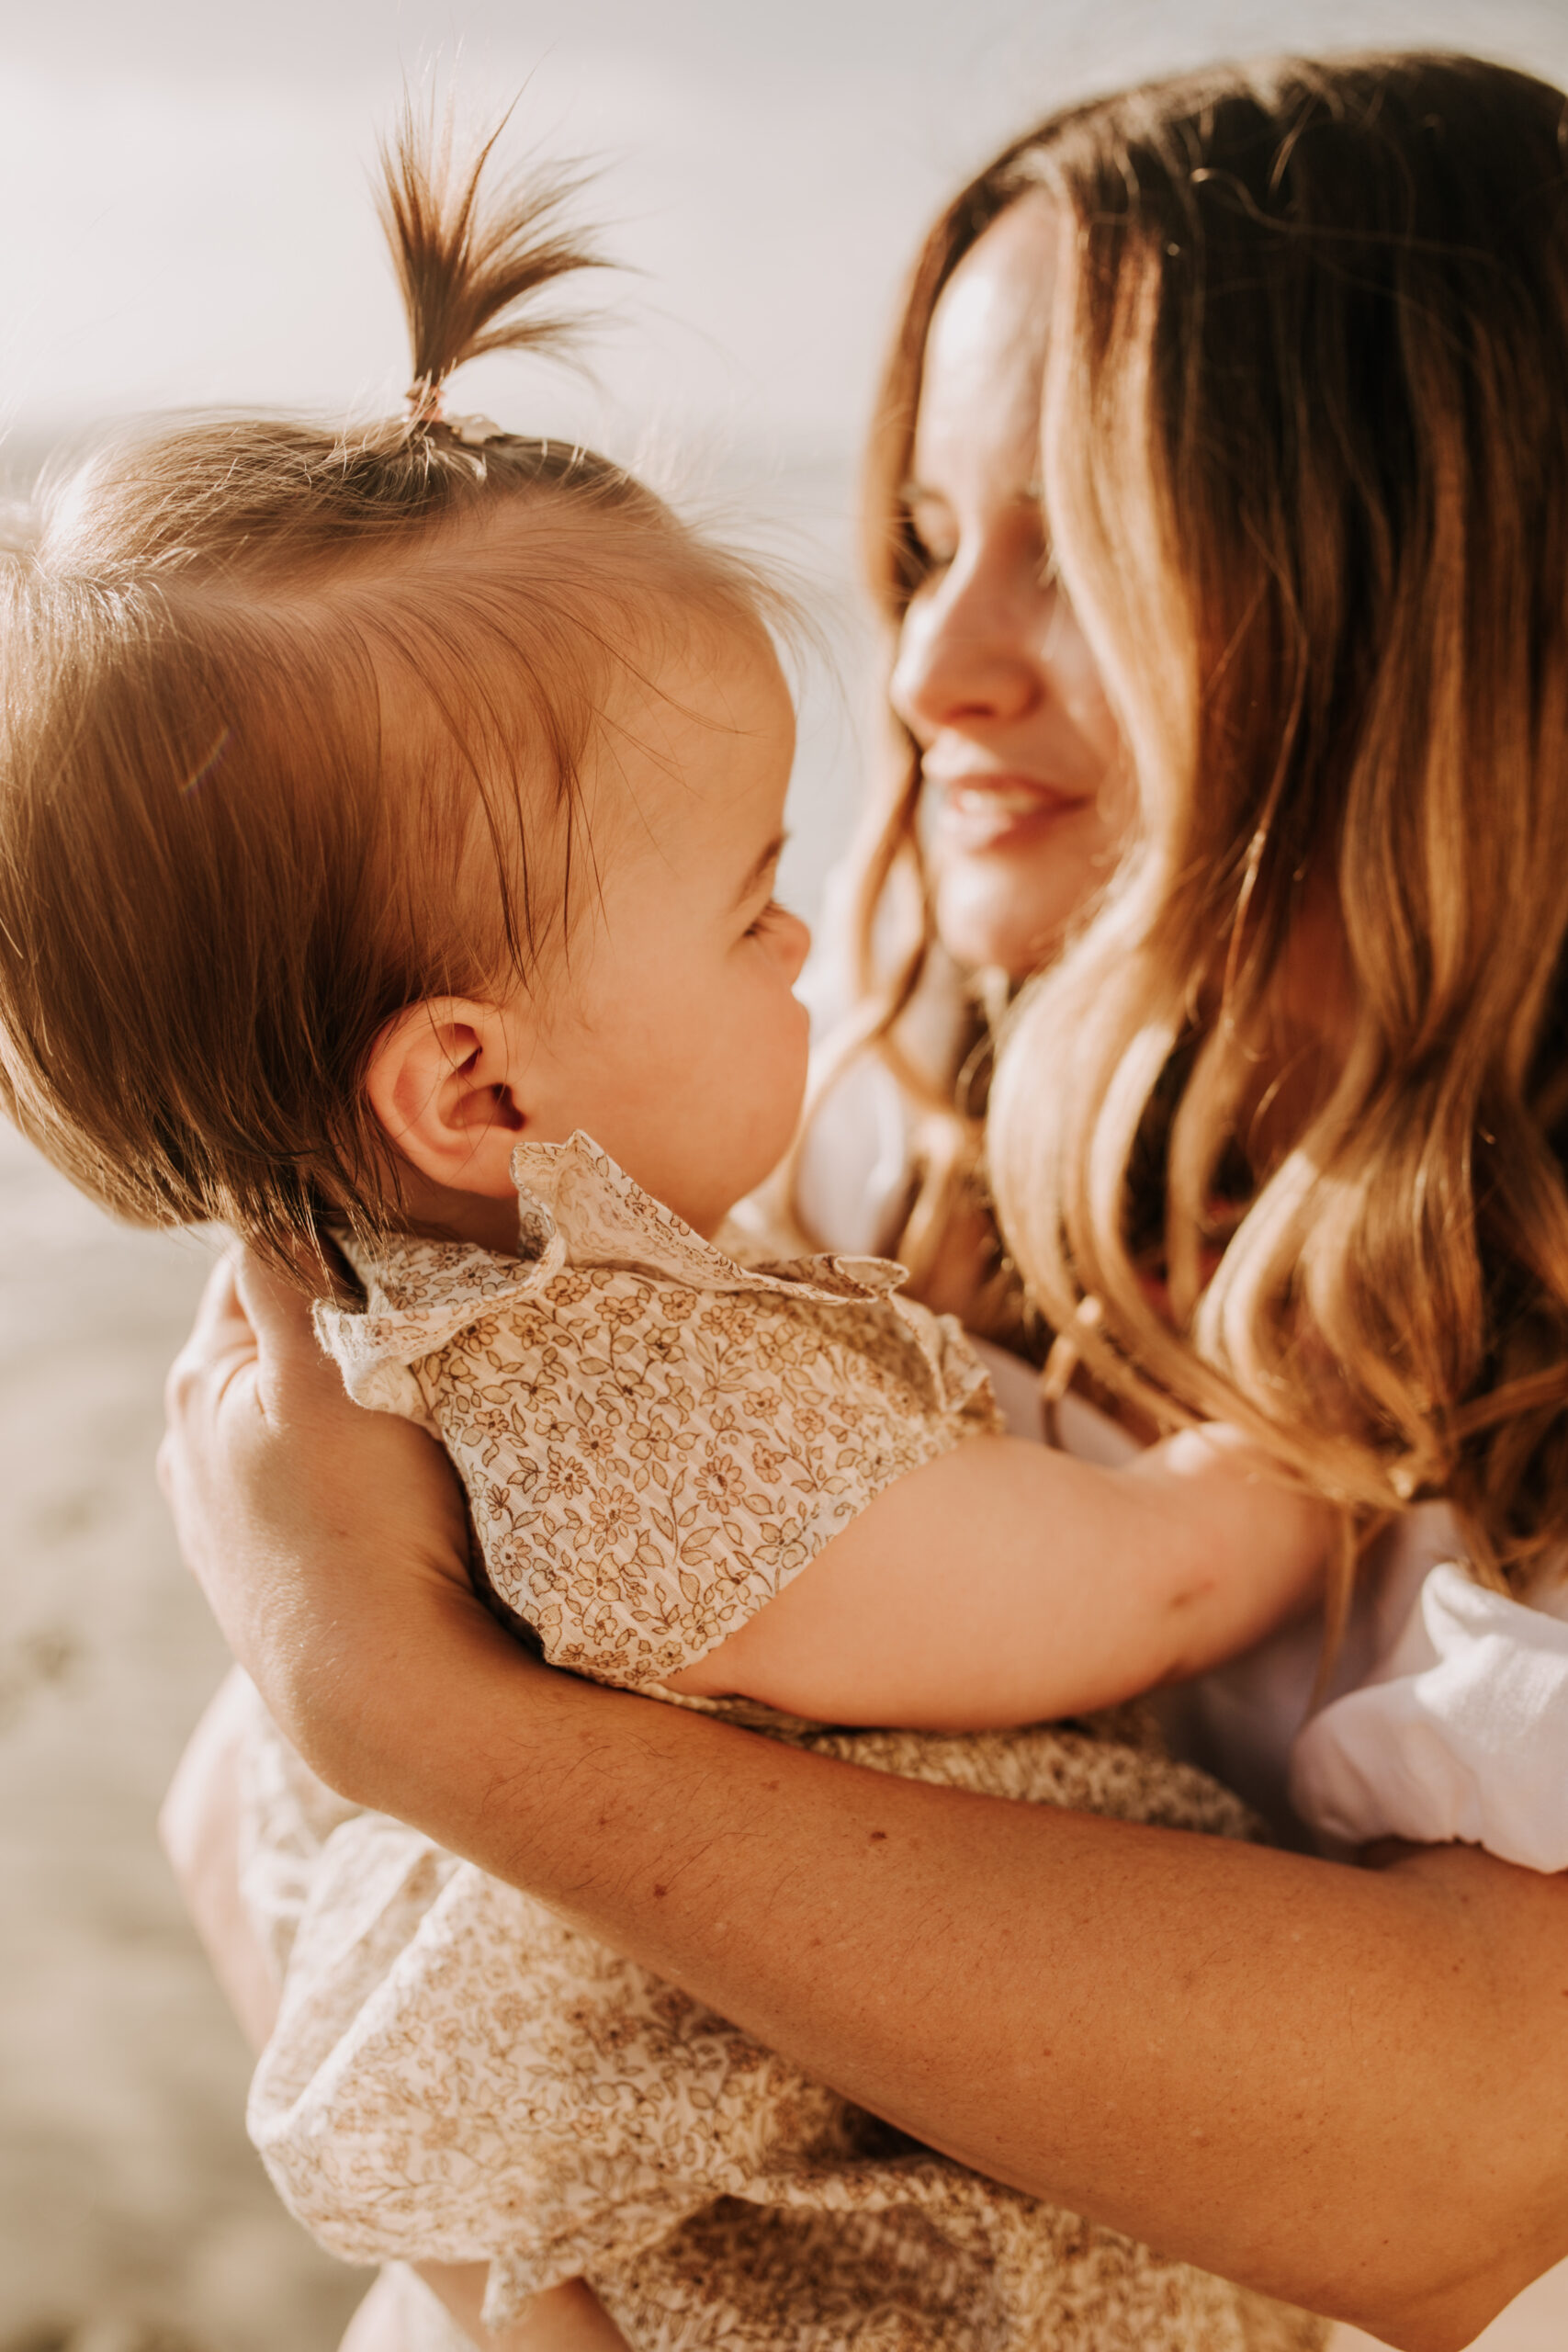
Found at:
(932, 550)
(932, 539)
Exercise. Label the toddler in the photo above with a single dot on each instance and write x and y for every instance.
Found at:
(390, 834)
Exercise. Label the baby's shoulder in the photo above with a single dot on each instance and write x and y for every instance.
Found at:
(609, 1292)
(655, 1434)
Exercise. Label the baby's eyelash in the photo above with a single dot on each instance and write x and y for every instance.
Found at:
(769, 912)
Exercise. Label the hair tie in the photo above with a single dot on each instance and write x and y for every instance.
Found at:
(424, 399)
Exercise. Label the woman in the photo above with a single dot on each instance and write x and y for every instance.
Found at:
(1276, 742)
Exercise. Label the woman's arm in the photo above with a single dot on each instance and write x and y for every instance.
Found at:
(1344, 2087)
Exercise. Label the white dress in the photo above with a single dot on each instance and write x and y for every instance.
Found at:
(654, 1437)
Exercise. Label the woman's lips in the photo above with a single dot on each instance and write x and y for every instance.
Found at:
(985, 811)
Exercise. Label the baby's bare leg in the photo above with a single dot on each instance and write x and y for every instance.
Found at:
(568, 2318)
(378, 2324)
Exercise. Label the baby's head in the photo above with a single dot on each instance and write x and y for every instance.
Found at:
(373, 799)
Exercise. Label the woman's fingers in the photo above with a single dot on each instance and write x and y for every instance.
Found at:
(293, 1375)
(322, 1534)
(220, 1347)
(220, 1339)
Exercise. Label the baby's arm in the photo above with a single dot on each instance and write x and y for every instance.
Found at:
(1006, 1584)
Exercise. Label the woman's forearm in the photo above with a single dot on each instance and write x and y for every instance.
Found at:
(1344, 2087)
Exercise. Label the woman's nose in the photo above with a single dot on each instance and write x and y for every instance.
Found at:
(967, 653)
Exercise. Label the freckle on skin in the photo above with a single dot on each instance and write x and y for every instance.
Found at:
(661, 1890)
(878, 1835)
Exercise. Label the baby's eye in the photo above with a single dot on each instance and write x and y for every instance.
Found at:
(770, 914)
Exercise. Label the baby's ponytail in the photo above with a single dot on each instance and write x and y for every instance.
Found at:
(471, 253)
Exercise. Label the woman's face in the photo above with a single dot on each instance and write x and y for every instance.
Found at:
(994, 679)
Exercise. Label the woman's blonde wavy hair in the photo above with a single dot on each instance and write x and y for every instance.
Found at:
(1305, 466)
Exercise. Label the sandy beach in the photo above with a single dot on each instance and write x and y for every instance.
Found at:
(133, 2216)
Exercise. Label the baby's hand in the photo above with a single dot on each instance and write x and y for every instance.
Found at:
(1266, 1531)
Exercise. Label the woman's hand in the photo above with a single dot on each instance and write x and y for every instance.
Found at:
(326, 1538)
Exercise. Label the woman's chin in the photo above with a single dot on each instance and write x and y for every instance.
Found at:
(991, 920)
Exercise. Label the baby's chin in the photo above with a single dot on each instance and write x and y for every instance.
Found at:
(743, 1174)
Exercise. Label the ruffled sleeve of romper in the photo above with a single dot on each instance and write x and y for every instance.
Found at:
(654, 1437)
(1461, 1733)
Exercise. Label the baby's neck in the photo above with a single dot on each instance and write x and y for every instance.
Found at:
(435, 1212)
(447, 1213)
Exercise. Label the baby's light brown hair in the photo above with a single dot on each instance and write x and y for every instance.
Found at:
(294, 723)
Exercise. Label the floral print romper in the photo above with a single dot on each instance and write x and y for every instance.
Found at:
(655, 1437)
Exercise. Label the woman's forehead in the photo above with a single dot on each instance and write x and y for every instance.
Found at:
(999, 296)
(985, 351)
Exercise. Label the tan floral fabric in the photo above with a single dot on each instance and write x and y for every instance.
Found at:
(654, 1437)
(457, 2074)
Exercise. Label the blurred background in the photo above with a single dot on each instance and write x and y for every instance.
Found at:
(188, 223)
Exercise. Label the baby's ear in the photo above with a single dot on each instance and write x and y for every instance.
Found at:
(441, 1084)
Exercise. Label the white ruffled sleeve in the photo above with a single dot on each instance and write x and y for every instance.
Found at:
(1461, 1734)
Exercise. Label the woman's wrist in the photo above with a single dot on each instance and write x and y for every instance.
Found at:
(382, 1713)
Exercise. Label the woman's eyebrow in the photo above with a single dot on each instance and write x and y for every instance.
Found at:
(762, 867)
